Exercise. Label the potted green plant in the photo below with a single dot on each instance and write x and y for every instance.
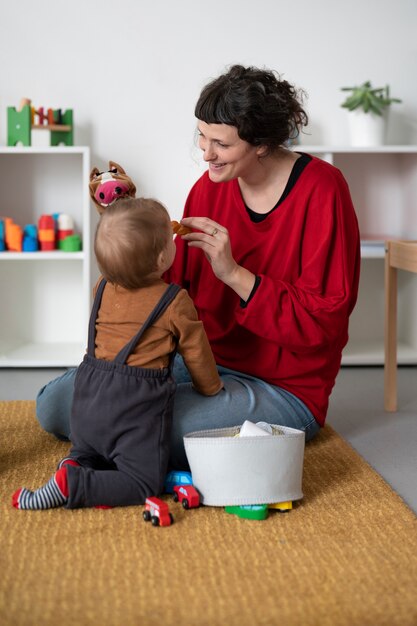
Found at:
(368, 107)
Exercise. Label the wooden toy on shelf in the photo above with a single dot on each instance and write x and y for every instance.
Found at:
(64, 228)
(46, 232)
(71, 243)
(21, 122)
(14, 236)
(30, 238)
(2, 236)
(51, 233)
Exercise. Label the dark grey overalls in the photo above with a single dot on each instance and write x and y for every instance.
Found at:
(120, 423)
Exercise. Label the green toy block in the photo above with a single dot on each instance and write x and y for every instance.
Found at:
(72, 243)
(19, 126)
(65, 137)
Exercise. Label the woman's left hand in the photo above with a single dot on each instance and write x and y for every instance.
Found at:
(214, 240)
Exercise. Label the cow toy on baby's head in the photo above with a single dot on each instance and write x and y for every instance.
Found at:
(107, 187)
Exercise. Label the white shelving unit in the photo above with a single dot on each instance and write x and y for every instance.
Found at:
(383, 185)
(46, 296)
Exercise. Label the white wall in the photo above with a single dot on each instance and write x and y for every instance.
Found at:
(132, 69)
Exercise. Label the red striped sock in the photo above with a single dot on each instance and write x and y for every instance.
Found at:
(53, 494)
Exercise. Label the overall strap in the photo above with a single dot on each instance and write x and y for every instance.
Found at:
(166, 299)
(93, 317)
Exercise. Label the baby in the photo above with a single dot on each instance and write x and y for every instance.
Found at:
(124, 389)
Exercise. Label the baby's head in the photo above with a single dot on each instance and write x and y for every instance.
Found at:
(133, 243)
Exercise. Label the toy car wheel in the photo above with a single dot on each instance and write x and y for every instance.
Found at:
(146, 516)
(185, 504)
(175, 497)
(155, 520)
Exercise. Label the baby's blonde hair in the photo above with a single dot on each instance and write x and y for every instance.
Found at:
(129, 238)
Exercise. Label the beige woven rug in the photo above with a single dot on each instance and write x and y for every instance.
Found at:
(345, 555)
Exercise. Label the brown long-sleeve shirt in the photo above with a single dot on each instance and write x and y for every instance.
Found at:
(123, 312)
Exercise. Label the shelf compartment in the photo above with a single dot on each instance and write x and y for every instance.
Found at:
(26, 354)
(46, 295)
(43, 306)
(382, 182)
(45, 182)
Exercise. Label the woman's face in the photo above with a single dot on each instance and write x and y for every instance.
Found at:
(227, 154)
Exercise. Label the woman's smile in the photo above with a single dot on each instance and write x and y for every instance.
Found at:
(219, 140)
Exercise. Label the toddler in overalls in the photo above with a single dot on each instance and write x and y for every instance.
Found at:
(124, 389)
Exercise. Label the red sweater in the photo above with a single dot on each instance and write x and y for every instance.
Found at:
(307, 254)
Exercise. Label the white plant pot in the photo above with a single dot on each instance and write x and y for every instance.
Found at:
(367, 129)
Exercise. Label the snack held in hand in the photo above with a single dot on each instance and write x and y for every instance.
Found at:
(180, 229)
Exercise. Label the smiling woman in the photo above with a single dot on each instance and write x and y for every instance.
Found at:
(271, 264)
(280, 235)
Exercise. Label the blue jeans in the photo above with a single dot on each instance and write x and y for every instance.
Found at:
(244, 397)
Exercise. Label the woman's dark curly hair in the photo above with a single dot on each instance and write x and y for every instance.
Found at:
(266, 110)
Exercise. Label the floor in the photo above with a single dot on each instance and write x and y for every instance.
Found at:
(387, 441)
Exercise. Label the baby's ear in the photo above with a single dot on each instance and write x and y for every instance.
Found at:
(161, 260)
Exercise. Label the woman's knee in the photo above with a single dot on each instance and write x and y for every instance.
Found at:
(54, 402)
(312, 430)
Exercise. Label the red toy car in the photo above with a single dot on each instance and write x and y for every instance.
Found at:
(187, 495)
(157, 511)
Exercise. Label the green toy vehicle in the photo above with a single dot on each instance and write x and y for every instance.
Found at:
(249, 511)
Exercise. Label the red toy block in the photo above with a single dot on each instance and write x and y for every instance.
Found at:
(46, 232)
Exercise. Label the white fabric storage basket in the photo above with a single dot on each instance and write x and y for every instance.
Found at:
(228, 469)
